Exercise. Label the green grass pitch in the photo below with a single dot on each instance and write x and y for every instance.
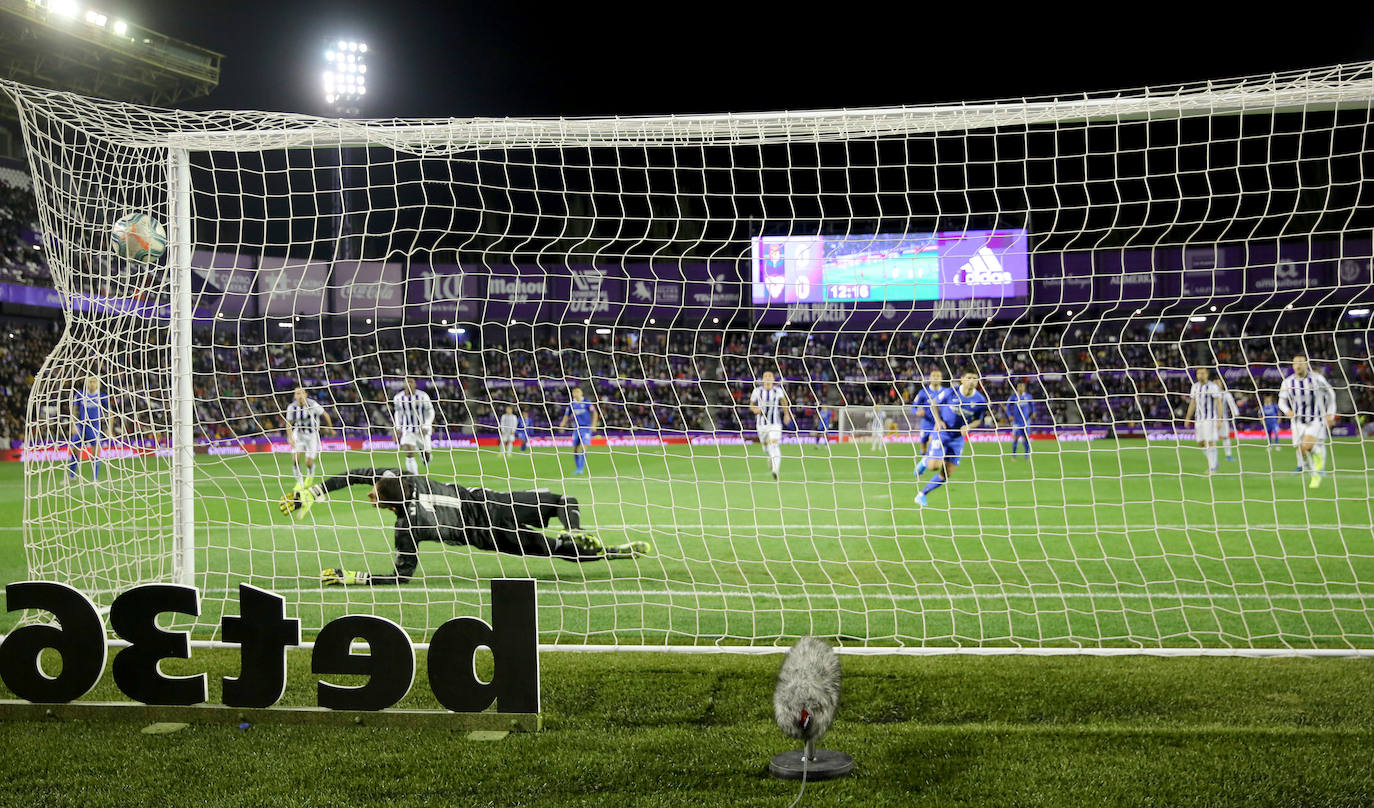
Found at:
(1091, 544)
(1103, 543)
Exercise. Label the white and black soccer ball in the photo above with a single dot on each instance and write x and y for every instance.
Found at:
(138, 237)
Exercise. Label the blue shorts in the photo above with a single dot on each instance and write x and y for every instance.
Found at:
(1272, 428)
(928, 432)
(582, 436)
(86, 435)
(1020, 432)
(946, 446)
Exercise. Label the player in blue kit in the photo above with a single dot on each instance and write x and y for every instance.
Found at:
(584, 416)
(963, 408)
(89, 406)
(1271, 421)
(522, 429)
(1020, 408)
(824, 418)
(926, 409)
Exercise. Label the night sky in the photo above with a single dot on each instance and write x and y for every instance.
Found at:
(525, 59)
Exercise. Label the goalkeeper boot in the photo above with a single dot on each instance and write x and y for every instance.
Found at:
(921, 500)
(586, 543)
(343, 577)
(628, 550)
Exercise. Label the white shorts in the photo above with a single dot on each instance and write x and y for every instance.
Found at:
(306, 443)
(414, 441)
(1207, 431)
(1316, 430)
(770, 433)
(506, 435)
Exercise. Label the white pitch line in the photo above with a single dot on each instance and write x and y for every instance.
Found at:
(904, 528)
(846, 596)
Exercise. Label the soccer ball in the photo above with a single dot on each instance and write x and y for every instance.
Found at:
(138, 237)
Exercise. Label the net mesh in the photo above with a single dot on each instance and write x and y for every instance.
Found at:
(502, 263)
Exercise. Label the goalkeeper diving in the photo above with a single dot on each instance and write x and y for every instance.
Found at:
(499, 521)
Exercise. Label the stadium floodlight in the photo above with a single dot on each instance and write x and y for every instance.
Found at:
(96, 18)
(121, 27)
(67, 8)
(1358, 312)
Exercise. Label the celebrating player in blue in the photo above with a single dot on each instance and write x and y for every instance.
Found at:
(88, 411)
(1271, 421)
(1020, 408)
(584, 417)
(926, 409)
(963, 408)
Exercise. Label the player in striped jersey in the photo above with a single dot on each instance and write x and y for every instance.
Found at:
(499, 521)
(1205, 402)
(412, 417)
(303, 416)
(1307, 399)
(877, 429)
(89, 406)
(769, 404)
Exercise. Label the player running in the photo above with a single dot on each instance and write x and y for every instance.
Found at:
(1020, 408)
(1307, 399)
(769, 404)
(498, 521)
(1205, 401)
(506, 430)
(1271, 411)
(89, 406)
(926, 409)
(303, 416)
(585, 417)
(413, 420)
(962, 409)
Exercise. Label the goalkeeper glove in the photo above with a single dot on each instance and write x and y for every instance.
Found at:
(343, 577)
(297, 501)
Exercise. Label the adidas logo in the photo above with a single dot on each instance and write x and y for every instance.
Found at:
(982, 269)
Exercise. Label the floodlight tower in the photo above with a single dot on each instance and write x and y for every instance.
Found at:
(345, 86)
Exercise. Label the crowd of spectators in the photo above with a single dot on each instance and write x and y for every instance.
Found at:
(1132, 372)
(20, 262)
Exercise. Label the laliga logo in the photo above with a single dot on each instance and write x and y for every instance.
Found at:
(983, 269)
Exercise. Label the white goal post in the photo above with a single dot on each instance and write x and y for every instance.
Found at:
(1100, 247)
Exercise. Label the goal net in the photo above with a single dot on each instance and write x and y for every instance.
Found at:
(1099, 248)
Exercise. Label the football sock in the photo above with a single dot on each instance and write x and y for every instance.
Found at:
(935, 482)
(1211, 452)
(1318, 457)
(580, 461)
(412, 466)
(95, 475)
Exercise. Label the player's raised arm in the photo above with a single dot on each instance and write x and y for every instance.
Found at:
(786, 405)
(304, 499)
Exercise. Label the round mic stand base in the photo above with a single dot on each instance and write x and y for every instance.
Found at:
(820, 764)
